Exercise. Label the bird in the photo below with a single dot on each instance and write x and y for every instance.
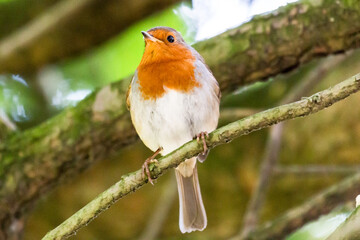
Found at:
(174, 98)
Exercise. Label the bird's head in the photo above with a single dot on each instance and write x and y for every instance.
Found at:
(164, 44)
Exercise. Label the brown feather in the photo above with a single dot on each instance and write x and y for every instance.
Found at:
(192, 211)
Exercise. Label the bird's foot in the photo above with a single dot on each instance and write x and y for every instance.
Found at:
(203, 135)
(145, 166)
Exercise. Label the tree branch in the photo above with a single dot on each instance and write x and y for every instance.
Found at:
(282, 40)
(100, 125)
(132, 181)
(274, 143)
(319, 204)
(55, 34)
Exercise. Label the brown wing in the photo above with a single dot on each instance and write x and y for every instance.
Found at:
(129, 89)
(217, 87)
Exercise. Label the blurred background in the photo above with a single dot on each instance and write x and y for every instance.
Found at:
(311, 152)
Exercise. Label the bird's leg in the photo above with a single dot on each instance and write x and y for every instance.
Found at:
(145, 166)
(202, 135)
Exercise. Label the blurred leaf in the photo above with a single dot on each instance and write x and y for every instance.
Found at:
(19, 100)
(321, 228)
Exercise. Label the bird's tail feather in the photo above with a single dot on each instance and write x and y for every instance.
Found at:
(192, 215)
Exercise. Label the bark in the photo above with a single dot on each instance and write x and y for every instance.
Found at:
(318, 205)
(67, 28)
(282, 40)
(133, 181)
(35, 161)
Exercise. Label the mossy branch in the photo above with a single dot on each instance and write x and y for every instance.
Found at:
(35, 161)
(132, 181)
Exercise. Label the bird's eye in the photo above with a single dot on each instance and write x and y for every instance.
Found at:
(170, 39)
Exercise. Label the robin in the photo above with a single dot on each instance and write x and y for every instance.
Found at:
(173, 98)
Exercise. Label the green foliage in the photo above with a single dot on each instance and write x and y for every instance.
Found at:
(20, 100)
(119, 57)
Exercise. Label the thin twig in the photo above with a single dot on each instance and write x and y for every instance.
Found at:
(274, 142)
(316, 169)
(163, 206)
(132, 181)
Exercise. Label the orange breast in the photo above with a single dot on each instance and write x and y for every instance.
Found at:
(159, 70)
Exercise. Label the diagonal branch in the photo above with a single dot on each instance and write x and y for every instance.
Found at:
(100, 125)
(274, 143)
(68, 28)
(286, 38)
(132, 181)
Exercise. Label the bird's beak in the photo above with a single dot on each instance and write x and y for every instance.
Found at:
(149, 37)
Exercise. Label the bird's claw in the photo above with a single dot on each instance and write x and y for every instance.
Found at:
(145, 166)
(146, 170)
(203, 136)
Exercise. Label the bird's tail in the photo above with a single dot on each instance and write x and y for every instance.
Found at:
(192, 215)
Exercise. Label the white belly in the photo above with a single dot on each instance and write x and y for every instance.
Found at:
(176, 117)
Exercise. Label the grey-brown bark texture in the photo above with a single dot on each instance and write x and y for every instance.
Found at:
(33, 162)
(66, 28)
